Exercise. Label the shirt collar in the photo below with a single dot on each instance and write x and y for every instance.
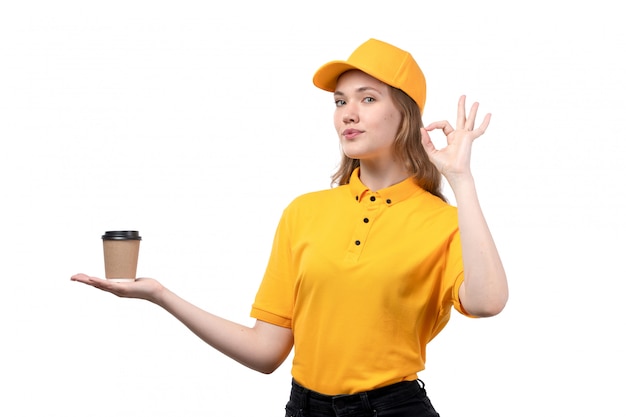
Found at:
(391, 195)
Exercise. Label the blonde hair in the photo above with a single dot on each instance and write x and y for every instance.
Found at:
(407, 146)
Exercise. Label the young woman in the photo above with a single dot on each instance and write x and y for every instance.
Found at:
(363, 275)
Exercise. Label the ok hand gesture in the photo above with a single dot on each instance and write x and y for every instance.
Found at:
(453, 161)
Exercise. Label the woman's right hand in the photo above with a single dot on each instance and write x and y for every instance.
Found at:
(143, 288)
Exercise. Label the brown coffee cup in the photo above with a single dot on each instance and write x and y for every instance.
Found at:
(121, 253)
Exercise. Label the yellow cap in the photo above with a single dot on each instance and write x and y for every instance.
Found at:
(382, 61)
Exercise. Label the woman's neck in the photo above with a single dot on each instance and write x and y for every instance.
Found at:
(377, 177)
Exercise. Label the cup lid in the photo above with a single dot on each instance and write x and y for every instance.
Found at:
(121, 235)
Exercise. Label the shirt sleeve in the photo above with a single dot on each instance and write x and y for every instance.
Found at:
(274, 299)
(454, 272)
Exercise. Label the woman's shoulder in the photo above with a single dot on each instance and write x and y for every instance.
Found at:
(319, 198)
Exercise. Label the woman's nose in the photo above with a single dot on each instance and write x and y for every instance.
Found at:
(350, 114)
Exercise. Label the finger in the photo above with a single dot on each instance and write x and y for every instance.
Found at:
(435, 125)
(444, 125)
(81, 278)
(427, 143)
(460, 113)
(483, 126)
(471, 118)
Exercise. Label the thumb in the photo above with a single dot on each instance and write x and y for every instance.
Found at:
(427, 143)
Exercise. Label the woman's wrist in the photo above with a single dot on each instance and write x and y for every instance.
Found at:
(461, 183)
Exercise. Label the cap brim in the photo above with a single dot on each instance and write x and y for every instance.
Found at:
(327, 75)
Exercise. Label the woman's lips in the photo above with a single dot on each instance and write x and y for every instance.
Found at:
(351, 133)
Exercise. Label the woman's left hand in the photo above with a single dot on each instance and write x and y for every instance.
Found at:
(453, 161)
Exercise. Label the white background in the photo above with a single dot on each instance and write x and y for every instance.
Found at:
(197, 122)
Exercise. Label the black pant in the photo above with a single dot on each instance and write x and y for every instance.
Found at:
(404, 399)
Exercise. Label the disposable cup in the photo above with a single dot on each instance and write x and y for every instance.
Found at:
(121, 254)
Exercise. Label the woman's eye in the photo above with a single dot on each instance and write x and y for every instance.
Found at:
(339, 102)
(369, 99)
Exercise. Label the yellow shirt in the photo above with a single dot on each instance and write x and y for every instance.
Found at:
(365, 280)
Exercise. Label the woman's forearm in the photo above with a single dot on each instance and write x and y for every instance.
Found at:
(485, 290)
(262, 347)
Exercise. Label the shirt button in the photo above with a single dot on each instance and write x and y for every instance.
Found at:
(366, 220)
(372, 198)
(358, 242)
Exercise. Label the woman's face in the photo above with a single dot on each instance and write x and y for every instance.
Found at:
(366, 118)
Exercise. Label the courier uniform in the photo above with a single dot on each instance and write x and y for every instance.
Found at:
(364, 280)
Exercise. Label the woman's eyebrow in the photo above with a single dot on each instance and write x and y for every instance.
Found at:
(358, 90)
